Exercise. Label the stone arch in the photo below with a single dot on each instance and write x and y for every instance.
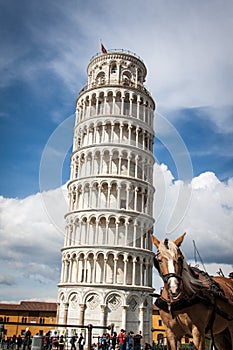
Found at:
(89, 267)
(92, 230)
(100, 78)
(133, 303)
(115, 161)
(126, 77)
(129, 272)
(80, 267)
(74, 309)
(113, 67)
(121, 231)
(126, 103)
(96, 162)
(109, 103)
(137, 271)
(109, 277)
(114, 302)
(112, 230)
(62, 302)
(99, 268)
(101, 102)
(113, 195)
(106, 162)
(120, 269)
(93, 302)
(118, 100)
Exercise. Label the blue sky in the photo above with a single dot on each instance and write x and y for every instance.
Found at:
(45, 48)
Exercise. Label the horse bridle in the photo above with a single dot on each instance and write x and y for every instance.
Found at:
(166, 276)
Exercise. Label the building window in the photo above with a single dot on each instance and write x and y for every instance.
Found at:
(6, 319)
(123, 204)
(160, 323)
(114, 68)
(160, 338)
(24, 319)
(41, 320)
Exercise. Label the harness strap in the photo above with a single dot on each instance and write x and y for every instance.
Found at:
(182, 303)
(179, 304)
(210, 327)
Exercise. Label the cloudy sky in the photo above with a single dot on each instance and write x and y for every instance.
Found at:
(45, 48)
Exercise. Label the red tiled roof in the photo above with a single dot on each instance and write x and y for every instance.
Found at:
(30, 306)
(4, 306)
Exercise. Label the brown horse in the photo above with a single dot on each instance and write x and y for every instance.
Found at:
(192, 302)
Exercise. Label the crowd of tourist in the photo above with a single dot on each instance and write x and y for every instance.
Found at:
(122, 341)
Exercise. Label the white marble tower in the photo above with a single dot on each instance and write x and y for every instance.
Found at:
(107, 256)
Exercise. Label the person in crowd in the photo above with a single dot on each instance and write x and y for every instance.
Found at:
(72, 342)
(122, 339)
(113, 341)
(19, 342)
(102, 342)
(81, 342)
(61, 342)
(55, 339)
(130, 341)
(137, 341)
(48, 340)
(13, 342)
(27, 339)
(107, 341)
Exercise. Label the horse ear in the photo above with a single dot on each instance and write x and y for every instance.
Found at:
(155, 241)
(179, 240)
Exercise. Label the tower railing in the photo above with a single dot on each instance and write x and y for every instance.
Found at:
(137, 86)
(140, 112)
(127, 52)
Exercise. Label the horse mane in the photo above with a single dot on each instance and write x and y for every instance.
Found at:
(169, 250)
(191, 284)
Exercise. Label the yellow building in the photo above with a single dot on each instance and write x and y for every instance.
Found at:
(39, 313)
(32, 312)
(158, 330)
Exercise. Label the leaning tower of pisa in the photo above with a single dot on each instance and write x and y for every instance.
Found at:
(106, 275)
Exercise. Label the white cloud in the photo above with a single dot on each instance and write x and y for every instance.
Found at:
(30, 247)
(208, 217)
(32, 232)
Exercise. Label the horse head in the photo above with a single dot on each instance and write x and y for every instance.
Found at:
(169, 263)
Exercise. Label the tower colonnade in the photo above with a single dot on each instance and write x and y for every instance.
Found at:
(105, 131)
(120, 268)
(108, 229)
(111, 194)
(112, 160)
(115, 102)
(107, 256)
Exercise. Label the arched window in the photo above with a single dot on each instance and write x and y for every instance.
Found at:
(113, 68)
(126, 78)
(100, 79)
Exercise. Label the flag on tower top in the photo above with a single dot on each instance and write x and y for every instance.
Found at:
(103, 49)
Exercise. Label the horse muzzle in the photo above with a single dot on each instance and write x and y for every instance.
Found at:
(174, 285)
